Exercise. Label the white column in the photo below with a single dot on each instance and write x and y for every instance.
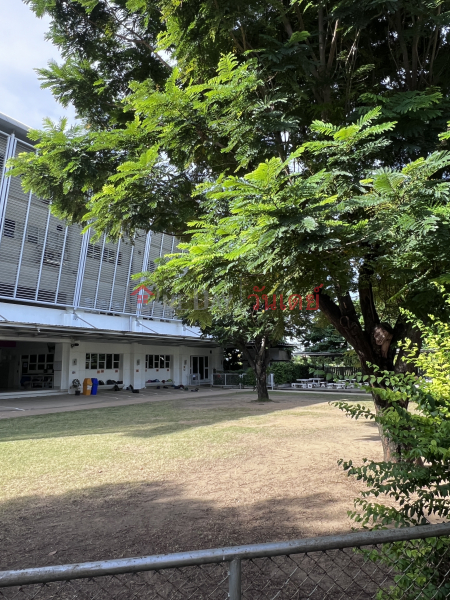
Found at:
(81, 267)
(127, 365)
(177, 369)
(62, 378)
(185, 359)
(137, 362)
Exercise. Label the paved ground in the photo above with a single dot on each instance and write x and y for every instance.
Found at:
(41, 405)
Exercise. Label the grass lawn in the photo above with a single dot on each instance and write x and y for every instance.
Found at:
(175, 474)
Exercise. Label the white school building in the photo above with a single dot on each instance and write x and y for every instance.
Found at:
(67, 308)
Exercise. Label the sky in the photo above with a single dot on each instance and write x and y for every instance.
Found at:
(22, 49)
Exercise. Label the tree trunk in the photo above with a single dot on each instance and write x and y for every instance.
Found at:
(258, 363)
(345, 319)
(261, 382)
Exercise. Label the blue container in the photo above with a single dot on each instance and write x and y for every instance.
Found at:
(94, 387)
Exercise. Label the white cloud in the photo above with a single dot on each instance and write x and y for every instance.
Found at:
(22, 49)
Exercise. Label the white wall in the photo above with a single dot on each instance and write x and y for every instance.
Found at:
(132, 353)
(72, 359)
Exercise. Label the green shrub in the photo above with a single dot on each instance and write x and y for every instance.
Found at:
(249, 377)
(288, 372)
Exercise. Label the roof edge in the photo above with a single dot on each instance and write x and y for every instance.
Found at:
(9, 125)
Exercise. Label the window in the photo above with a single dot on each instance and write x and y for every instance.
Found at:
(34, 363)
(9, 228)
(157, 361)
(102, 361)
(94, 251)
(32, 234)
(52, 257)
(109, 254)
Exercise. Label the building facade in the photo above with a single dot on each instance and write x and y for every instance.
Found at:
(68, 307)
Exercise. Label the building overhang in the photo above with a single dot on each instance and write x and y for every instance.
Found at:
(9, 125)
(37, 331)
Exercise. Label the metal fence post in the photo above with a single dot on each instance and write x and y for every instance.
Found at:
(235, 579)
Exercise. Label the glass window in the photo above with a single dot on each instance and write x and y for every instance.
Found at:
(94, 251)
(32, 366)
(50, 357)
(167, 361)
(41, 358)
(116, 361)
(94, 361)
(9, 228)
(156, 361)
(101, 361)
(109, 361)
(33, 358)
(41, 366)
(149, 361)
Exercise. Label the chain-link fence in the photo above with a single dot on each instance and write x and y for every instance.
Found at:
(407, 564)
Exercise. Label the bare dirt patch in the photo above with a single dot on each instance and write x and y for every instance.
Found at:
(176, 475)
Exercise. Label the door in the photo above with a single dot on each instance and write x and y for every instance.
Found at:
(199, 368)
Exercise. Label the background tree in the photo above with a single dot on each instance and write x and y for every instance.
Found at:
(320, 336)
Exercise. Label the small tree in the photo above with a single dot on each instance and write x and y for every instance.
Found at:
(231, 312)
(419, 482)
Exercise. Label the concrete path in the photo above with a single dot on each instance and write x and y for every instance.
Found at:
(41, 405)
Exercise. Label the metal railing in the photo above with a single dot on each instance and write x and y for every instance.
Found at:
(238, 380)
(342, 372)
(355, 566)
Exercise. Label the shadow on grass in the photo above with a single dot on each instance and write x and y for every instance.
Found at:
(113, 521)
(142, 420)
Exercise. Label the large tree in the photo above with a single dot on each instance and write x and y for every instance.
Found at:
(245, 85)
(328, 60)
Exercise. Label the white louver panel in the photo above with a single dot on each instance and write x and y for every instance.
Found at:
(137, 266)
(69, 267)
(3, 143)
(44, 261)
(155, 308)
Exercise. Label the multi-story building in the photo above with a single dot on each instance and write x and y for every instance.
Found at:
(68, 305)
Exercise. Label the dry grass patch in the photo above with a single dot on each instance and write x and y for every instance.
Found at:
(166, 475)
